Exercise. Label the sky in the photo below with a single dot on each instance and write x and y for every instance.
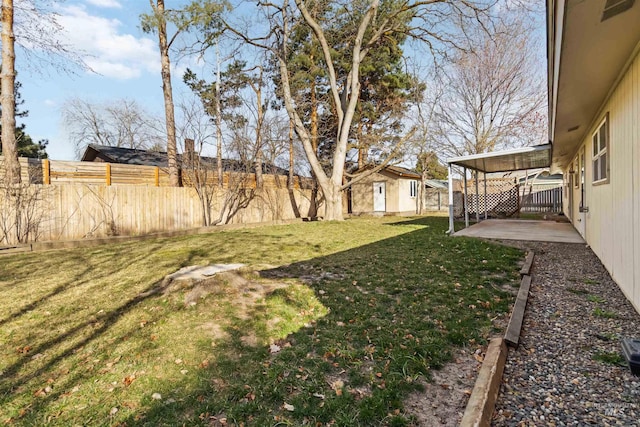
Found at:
(124, 63)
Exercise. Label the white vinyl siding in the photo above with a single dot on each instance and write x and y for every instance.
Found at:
(613, 219)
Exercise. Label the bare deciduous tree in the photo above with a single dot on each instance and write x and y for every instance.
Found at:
(117, 123)
(493, 95)
(434, 22)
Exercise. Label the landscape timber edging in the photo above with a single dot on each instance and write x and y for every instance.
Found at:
(528, 262)
(479, 410)
(482, 401)
(512, 335)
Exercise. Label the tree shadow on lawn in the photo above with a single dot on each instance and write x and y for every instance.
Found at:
(397, 309)
(34, 359)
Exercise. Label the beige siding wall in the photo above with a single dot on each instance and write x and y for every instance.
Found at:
(613, 220)
(397, 194)
(406, 203)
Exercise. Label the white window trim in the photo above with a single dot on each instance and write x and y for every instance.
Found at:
(606, 151)
(413, 189)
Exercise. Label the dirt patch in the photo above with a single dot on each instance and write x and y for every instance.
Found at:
(444, 399)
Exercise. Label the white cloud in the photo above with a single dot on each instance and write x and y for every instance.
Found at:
(49, 103)
(106, 3)
(113, 53)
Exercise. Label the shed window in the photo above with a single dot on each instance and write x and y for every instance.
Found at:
(413, 188)
(600, 141)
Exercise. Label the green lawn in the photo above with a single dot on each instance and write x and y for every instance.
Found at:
(359, 310)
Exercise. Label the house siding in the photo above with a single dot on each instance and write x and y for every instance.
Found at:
(406, 203)
(396, 190)
(613, 220)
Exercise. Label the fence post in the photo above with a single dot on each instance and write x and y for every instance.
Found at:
(108, 173)
(46, 172)
(157, 176)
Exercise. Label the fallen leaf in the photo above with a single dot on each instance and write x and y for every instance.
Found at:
(478, 357)
(156, 396)
(113, 411)
(23, 350)
(128, 380)
(273, 348)
(337, 387)
(288, 407)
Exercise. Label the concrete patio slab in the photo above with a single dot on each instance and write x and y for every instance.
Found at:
(516, 229)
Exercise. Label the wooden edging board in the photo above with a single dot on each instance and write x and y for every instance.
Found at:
(528, 262)
(512, 336)
(479, 410)
(482, 402)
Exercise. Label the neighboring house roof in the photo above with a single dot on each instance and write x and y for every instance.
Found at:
(436, 183)
(133, 156)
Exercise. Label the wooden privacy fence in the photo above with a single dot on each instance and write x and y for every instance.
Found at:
(61, 200)
(549, 200)
(39, 212)
(51, 172)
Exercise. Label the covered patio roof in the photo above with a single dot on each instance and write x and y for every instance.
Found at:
(538, 156)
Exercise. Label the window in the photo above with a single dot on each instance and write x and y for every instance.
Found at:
(600, 141)
(413, 188)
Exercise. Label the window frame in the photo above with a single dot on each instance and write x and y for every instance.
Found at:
(413, 188)
(598, 152)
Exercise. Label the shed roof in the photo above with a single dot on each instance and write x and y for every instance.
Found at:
(436, 183)
(402, 172)
(537, 156)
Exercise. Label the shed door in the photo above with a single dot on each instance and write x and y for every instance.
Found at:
(379, 197)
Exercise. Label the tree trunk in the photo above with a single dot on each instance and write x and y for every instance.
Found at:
(7, 98)
(333, 202)
(290, 183)
(422, 190)
(258, 156)
(218, 119)
(313, 203)
(172, 151)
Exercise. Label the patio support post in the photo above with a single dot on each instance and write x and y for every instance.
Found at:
(477, 198)
(450, 231)
(466, 208)
(484, 175)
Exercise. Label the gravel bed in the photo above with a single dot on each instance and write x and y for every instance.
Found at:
(575, 317)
